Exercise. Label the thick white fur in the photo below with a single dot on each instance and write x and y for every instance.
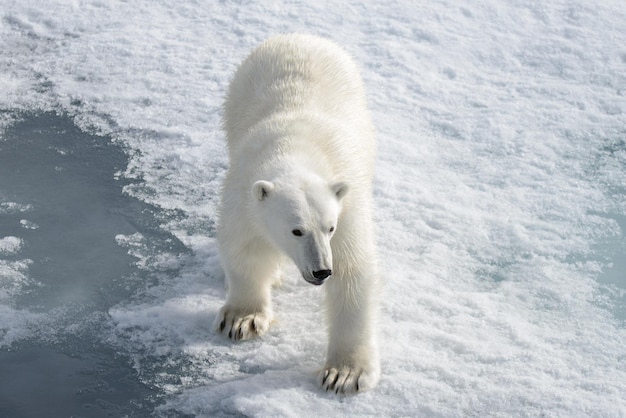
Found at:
(301, 147)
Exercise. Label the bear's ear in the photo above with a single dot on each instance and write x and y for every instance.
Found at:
(340, 189)
(261, 189)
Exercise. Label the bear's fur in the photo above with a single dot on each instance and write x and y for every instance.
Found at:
(301, 147)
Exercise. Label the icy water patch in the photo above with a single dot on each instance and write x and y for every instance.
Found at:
(613, 278)
(47, 382)
(63, 216)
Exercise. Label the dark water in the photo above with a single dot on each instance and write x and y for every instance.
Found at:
(44, 382)
(77, 207)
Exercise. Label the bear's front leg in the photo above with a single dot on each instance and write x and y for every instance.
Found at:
(248, 309)
(352, 363)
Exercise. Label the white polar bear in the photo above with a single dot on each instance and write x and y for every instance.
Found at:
(301, 148)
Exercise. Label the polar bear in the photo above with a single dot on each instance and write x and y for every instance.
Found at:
(299, 186)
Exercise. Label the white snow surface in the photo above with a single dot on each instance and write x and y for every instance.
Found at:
(10, 245)
(500, 175)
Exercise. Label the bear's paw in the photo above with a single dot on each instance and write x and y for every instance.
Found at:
(238, 325)
(347, 380)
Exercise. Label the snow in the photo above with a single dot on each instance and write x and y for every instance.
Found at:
(499, 189)
(10, 245)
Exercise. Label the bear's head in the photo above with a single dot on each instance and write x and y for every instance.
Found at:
(300, 218)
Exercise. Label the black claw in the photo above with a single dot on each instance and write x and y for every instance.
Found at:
(232, 327)
(324, 379)
(223, 325)
(357, 385)
(240, 334)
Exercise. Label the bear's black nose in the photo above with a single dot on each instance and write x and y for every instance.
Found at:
(322, 274)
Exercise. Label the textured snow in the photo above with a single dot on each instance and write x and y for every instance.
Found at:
(499, 188)
(10, 245)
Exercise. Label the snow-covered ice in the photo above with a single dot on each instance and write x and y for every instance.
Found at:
(500, 194)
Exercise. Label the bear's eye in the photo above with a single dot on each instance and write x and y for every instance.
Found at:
(297, 232)
(332, 229)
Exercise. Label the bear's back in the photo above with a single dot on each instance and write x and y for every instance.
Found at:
(295, 74)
